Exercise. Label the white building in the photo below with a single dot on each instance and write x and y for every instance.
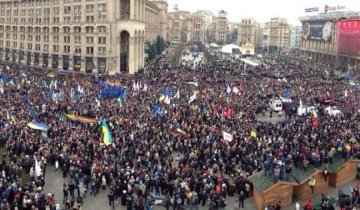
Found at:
(295, 37)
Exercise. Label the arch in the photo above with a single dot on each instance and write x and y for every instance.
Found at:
(124, 51)
(77, 29)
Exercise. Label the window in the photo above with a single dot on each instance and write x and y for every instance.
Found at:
(14, 36)
(38, 11)
(102, 29)
(56, 39)
(66, 29)
(29, 37)
(47, 11)
(67, 10)
(77, 10)
(37, 47)
(89, 19)
(7, 44)
(46, 38)
(15, 44)
(102, 18)
(89, 50)
(46, 47)
(67, 39)
(102, 7)
(77, 19)
(66, 49)
(89, 40)
(22, 45)
(77, 29)
(77, 39)
(22, 37)
(89, 29)
(29, 46)
(37, 38)
(102, 50)
(90, 8)
(56, 20)
(55, 30)
(47, 20)
(102, 40)
(66, 19)
(56, 10)
(56, 48)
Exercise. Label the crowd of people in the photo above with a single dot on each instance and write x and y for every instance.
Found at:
(176, 151)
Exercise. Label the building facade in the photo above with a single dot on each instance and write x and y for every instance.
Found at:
(156, 18)
(279, 34)
(295, 37)
(197, 28)
(247, 31)
(325, 49)
(179, 26)
(94, 36)
(220, 28)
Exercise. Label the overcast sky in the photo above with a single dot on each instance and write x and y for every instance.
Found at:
(262, 10)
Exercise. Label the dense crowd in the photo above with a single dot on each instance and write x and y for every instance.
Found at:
(178, 152)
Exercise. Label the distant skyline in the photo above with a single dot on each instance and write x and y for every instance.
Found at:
(262, 10)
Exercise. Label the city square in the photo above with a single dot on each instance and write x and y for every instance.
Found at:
(168, 104)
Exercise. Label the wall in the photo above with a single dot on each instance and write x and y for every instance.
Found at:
(303, 191)
(345, 175)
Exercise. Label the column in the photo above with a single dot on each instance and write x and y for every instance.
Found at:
(139, 52)
(96, 64)
(32, 59)
(60, 62)
(131, 55)
(132, 9)
(142, 51)
(136, 51)
(41, 60)
(50, 61)
(17, 56)
(82, 68)
(71, 61)
(25, 57)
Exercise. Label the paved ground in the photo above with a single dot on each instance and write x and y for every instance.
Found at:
(266, 118)
(55, 181)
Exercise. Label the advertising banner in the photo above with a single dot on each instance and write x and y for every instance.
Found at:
(317, 30)
(349, 37)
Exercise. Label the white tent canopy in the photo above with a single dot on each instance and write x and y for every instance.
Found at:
(250, 62)
(230, 48)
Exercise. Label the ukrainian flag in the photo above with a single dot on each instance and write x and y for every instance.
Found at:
(106, 135)
(253, 132)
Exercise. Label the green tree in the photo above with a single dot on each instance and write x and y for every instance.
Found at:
(160, 45)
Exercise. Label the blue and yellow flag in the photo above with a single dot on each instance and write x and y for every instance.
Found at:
(253, 132)
(106, 135)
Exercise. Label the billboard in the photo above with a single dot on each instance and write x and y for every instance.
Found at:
(317, 30)
(349, 37)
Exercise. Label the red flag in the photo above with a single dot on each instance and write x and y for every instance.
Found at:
(315, 123)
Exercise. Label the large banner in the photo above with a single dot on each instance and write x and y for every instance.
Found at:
(349, 37)
(317, 30)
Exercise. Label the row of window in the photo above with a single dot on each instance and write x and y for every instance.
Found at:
(55, 10)
(77, 39)
(36, 3)
(56, 20)
(66, 29)
(55, 48)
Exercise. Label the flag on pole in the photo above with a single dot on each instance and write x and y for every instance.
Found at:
(167, 100)
(192, 98)
(253, 132)
(227, 136)
(106, 135)
(37, 169)
(177, 94)
(228, 89)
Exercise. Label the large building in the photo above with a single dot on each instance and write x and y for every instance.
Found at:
(295, 37)
(81, 35)
(279, 34)
(320, 38)
(197, 28)
(220, 28)
(247, 31)
(155, 19)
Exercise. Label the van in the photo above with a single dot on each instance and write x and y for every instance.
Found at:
(275, 104)
(305, 110)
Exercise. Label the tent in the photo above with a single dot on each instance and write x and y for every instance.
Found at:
(81, 118)
(38, 126)
(250, 62)
(231, 49)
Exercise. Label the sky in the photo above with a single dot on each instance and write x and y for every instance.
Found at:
(262, 10)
